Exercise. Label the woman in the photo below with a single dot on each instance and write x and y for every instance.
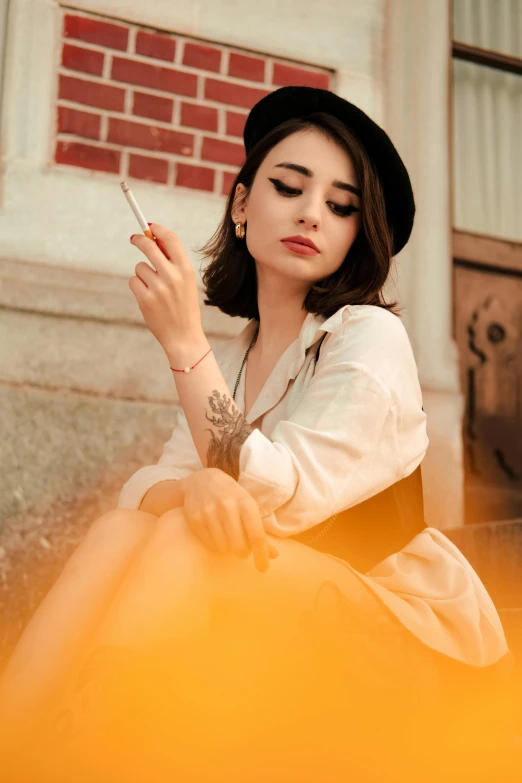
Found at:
(299, 442)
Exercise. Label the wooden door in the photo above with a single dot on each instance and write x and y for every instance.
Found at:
(488, 330)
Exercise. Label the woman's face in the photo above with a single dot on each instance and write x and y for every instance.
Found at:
(284, 202)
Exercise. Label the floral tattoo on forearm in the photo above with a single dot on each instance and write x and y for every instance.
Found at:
(223, 451)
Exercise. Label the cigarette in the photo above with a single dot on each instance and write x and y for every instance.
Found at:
(137, 211)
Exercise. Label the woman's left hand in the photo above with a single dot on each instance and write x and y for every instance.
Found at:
(167, 292)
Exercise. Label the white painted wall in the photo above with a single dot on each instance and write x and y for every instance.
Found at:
(4, 10)
(4, 13)
(417, 116)
(79, 219)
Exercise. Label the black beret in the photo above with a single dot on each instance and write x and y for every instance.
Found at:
(289, 102)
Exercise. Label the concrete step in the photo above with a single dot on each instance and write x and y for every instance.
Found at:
(512, 623)
(494, 549)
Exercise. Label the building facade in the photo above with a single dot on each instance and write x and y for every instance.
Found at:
(96, 92)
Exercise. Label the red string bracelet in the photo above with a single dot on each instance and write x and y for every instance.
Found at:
(188, 369)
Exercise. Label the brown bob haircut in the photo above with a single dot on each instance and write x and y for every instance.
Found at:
(230, 277)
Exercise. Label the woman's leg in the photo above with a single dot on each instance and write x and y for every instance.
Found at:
(178, 585)
(71, 611)
(173, 585)
(256, 684)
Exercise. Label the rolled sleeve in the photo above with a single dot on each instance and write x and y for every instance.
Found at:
(338, 448)
(178, 459)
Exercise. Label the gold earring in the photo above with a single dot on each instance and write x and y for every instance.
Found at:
(240, 231)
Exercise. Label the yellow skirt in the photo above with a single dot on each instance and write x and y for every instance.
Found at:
(154, 659)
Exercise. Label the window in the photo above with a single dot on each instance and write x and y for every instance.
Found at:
(487, 117)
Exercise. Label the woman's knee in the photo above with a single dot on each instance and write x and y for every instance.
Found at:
(122, 520)
(172, 533)
(112, 538)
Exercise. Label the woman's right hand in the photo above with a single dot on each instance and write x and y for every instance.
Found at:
(225, 516)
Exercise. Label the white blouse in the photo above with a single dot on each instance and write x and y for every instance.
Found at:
(327, 437)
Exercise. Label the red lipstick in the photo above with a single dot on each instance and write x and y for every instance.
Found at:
(300, 244)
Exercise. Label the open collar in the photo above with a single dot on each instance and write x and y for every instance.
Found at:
(312, 329)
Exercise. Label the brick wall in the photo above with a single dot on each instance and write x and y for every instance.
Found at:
(163, 107)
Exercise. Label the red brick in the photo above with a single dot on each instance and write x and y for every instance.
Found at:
(81, 123)
(114, 36)
(82, 91)
(152, 169)
(223, 152)
(155, 76)
(234, 94)
(97, 158)
(162, 47)
(235, 123)
(146, 105)
(228, 181)
(204, 117)
(79, 59)
(244, 67)
(285, 75)
(137, 134)
(197, 177)
(207, 58)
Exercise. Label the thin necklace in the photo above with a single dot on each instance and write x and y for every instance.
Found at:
(254, 338)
